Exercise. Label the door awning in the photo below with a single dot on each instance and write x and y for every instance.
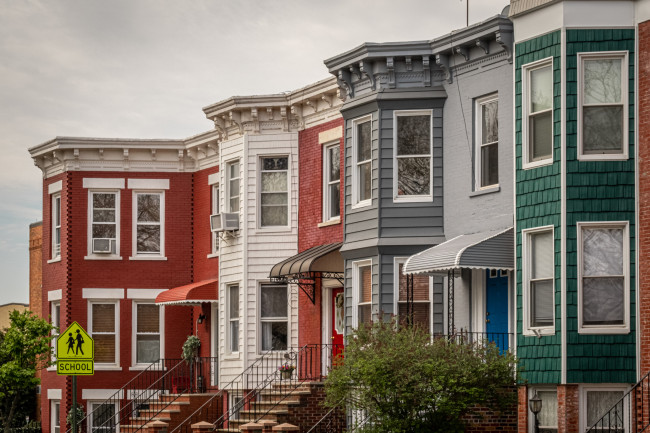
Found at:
(190, 294)
(317, 263)
(486, 250)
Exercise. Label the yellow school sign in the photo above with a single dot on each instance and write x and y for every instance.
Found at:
(75, 351)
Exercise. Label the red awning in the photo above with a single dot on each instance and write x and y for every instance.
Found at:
(190, 294)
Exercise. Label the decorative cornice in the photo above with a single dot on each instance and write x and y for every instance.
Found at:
(442, 60)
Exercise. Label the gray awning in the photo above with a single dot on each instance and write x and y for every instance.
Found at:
(320, 259)
(486, 250)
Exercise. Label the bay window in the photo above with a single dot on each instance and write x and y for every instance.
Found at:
(537, 104)
(233, 317)
(274, 192)
(487, 142)
(412, 163)
(232, 173)
(331, 182)
(362, 162)
(539, 275)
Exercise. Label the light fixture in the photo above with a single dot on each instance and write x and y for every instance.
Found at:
(201, 318)
(535, 404)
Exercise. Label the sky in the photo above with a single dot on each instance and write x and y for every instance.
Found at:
(145, 68)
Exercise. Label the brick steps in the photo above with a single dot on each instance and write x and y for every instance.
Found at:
(170, 408)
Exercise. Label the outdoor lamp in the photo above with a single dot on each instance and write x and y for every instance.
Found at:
(201, 318)
(535, 404)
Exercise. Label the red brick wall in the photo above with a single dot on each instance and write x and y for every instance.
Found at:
(36, 268)
(568, 406)
(487, 420)
(522, 409)
(204, 268)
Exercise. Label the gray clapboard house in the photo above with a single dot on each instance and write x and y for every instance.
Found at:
(428, 175)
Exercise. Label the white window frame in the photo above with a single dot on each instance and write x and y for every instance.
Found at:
(107, 365)
(231, 320)
(356, 203)
(229, 180)
(478, 140)
(262, 320)
(214, 236)
(56, 215)
(402, 261)
(55, 314)
(135, 255)
(134, 331)
(91, 407)
(327, 182)
(412, 198)
(606, 329)
(526, 274)
(525, 104)
(605, 55)
(531, 394)
(55, 421)
(259, 192)
(91, 255)
(584, 389)
(355, 290)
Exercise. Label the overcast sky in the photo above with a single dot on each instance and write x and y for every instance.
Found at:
(145, 68)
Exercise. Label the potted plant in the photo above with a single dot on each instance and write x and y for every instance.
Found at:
(286, 370)
(77, 414)
(191, 348)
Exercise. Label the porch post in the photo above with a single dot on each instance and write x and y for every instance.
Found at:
(450, 302)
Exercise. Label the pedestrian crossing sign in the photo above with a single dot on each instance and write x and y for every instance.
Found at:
(74, 352)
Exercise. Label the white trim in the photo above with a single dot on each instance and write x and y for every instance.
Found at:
(411, 198)
(103, 183)
(478, 140)
(55, 187)
(478, 297)
(331, 135)
(355, 289)
(134, 331)
(227, 198)
(525, 72)
(99, 394)
(637, 334)
(585, 388)
(287, 171)
(135, 255)
(215, 196)
(91, 255)
(143, 293)
(528, 330)
(132, 394)
(54, 394)
(355, 187)
(55, 249)
(605, 329)
(327, 220)
(563, 224)
(213, 178)
(148, 258)
(604, 55)
(103, 293)
(148, 184)
(90, 408)
(55, 418)
(229, 336)
(55, 295)
(108, 365)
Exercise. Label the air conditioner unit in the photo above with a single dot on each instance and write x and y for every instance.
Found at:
(103, 245)
(224, 222)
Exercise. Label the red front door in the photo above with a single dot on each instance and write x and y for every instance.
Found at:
(338, 321)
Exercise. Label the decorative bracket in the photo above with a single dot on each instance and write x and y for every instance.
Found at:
(125, 157)
(56, 156)
(328, 100)
(269, 112)
(296, 110)
(313, 104)
(345, 82)
(235, 118)
(153, 154)
(255, 119)
(409, 64)
(354, 70)
(307, 281)
(442, 60)
(366, 69)
(390, 66)
(101, 153)
(426, 69)
(484, 45)
(505, 40)
(75, 154)
(220, 126)
(285, 119)
(463, 51)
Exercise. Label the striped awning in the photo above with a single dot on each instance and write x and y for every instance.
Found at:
(486, 250)
(319, 259)
(190, 294)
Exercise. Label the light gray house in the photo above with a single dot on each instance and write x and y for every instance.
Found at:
(428, 159)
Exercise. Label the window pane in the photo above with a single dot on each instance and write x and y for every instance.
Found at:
(490, 165)
(334, 163)
(148, 349)
(275, 163)
(602, 301)
(104, 348)
(543, 303)
(541, 89)
(57, 211)
(420, 286)
(148, 208)
(602, 81)
(103, 216)
(363, 141)
(274, 215)
(274, 181)
(234, 170)
(148, 317)
(413, 176)
(365, 314)
(148, 239)
(104, 201)
(490, 122)
(602, 129)
(548, 414)
(541, 136)
(234, 204)
(271, 198)
(365, 181)
(103, 317)
(234, 302)
(234, 336)
(598, 403)
(104, 231)
(542, 255)
(274, 301)
(420, 314)
(603, 252)
(414, 135)
(274, 336)
(365, 284)
(335, 200)
(103, 418)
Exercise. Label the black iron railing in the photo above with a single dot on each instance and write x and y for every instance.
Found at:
(503, 340)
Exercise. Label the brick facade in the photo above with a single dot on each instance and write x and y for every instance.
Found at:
(36, 267)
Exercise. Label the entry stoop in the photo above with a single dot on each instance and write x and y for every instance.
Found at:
(172, 409)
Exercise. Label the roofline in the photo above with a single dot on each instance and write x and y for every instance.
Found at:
(36, 224)
(106, 143)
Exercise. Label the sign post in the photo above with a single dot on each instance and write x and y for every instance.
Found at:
(75, 352)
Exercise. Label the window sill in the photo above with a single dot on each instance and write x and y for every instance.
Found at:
(414, 199)
(103, 257)
(212, 256)
(52, 368)
(107, 367)
(603, 157)
(151, 258)
(57, 259)
(362, 204)
(600, 331)
(541, 332)
(535, 164)
(232, 357)
(286, 229)
(332, 222)
(489, 190)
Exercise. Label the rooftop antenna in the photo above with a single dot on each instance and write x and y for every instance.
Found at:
(466, 12)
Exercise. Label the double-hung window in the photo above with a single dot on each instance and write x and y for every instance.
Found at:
(602, 107)
(331, 182)
(214, 248)
(487, 142)
(274, 316)
(537, 104)
(603, 277)
(274, 192)
(103, 417)
(413, 305)
(56, 226)
(597, 401)
(55, 416)
(104, 222)
(547, 417)
(148, 222)
(362, 292)
(412, 164)
(539, 274)
(147, 325)
(233, 317)
(56, 322)
(104, 325)
(233, 178)
(362, 162)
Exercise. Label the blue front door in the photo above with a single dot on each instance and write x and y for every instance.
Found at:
(496, 307)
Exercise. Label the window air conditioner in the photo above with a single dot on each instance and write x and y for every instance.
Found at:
(102, 245)
(224, 222)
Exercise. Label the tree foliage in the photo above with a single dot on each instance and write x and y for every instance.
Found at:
(24, 348)
(406, 383)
